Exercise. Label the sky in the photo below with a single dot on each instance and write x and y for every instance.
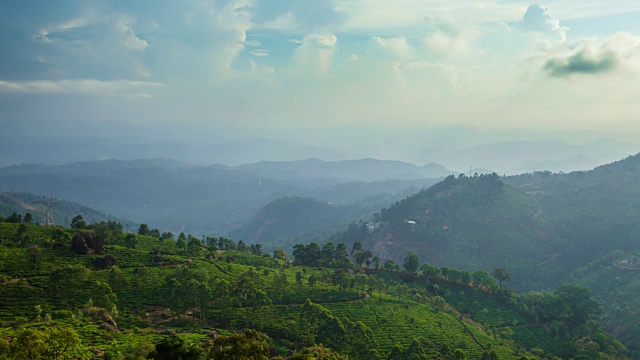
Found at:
(278, 68)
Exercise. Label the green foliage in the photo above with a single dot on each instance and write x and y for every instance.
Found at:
(176, 348)
(411, 262)
(357, 315)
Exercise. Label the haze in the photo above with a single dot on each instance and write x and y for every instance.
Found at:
(407, 80)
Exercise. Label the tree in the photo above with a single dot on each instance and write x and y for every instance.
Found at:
(22, 235)
(78, 223)
(102, 295)
(175, 347)
(221, 291)
(130, 241)
(116, 279)
(501, 275)
(340, 255)
(390, 265)
(429, 270)
(248, 345)
(299, 278)
(482, 279)
(144, 230)
(59, 341)
(141, 279)
(312, 280)
(211, 242)
(34, 256)
(280, 283)
(376, 262)
(328, 252)
(29, 344)
(242, 247)
(69, 274)
(411, 262)
(340, 278)
(194, 245)
(28, 218)
(357, 247)
(579, 303)
(14, 219)
(280, 254)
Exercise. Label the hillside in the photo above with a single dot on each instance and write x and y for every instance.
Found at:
(63, 211)
(614, 279)
(290, 220)
(473, 223)
(158, 288)
(543, 227)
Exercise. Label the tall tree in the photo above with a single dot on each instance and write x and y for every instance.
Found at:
(144, 230)
(357, 247)
(78, 223)
(411, 262)
(501, 275)
(280, 254)
(28, 218)
(34, 256)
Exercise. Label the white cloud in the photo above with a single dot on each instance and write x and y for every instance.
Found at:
(315, 53)
(81, 87)
(130, 40)
(539, 19)
(398, 47)
(285, 22)
(449, 40)
(260, 52)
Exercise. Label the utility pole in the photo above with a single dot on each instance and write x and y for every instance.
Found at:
(47, 209)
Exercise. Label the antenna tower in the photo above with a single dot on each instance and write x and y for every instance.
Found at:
(47, 208)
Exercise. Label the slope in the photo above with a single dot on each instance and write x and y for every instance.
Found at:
(158, 288)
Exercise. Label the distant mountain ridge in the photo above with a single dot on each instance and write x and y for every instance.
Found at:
(516, 157)
(217, 198)
(346, 170)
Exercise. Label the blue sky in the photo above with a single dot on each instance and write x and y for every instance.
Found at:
(264, 65)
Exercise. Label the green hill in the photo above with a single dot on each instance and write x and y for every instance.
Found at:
(542, 227)
(471, 223)
(290, 220)
(160, 287)
(63, 211)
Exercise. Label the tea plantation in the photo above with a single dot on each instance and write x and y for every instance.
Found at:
(92, 294)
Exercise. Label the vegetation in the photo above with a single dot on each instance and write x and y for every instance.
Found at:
(158, 300)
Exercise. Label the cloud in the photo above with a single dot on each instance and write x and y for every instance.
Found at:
(539, 19)
(81, 87)
(129, 38)
(594, 57)
(581, 63)
(260, 52)
(398, 47)
(315, 53)
(447, 39)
